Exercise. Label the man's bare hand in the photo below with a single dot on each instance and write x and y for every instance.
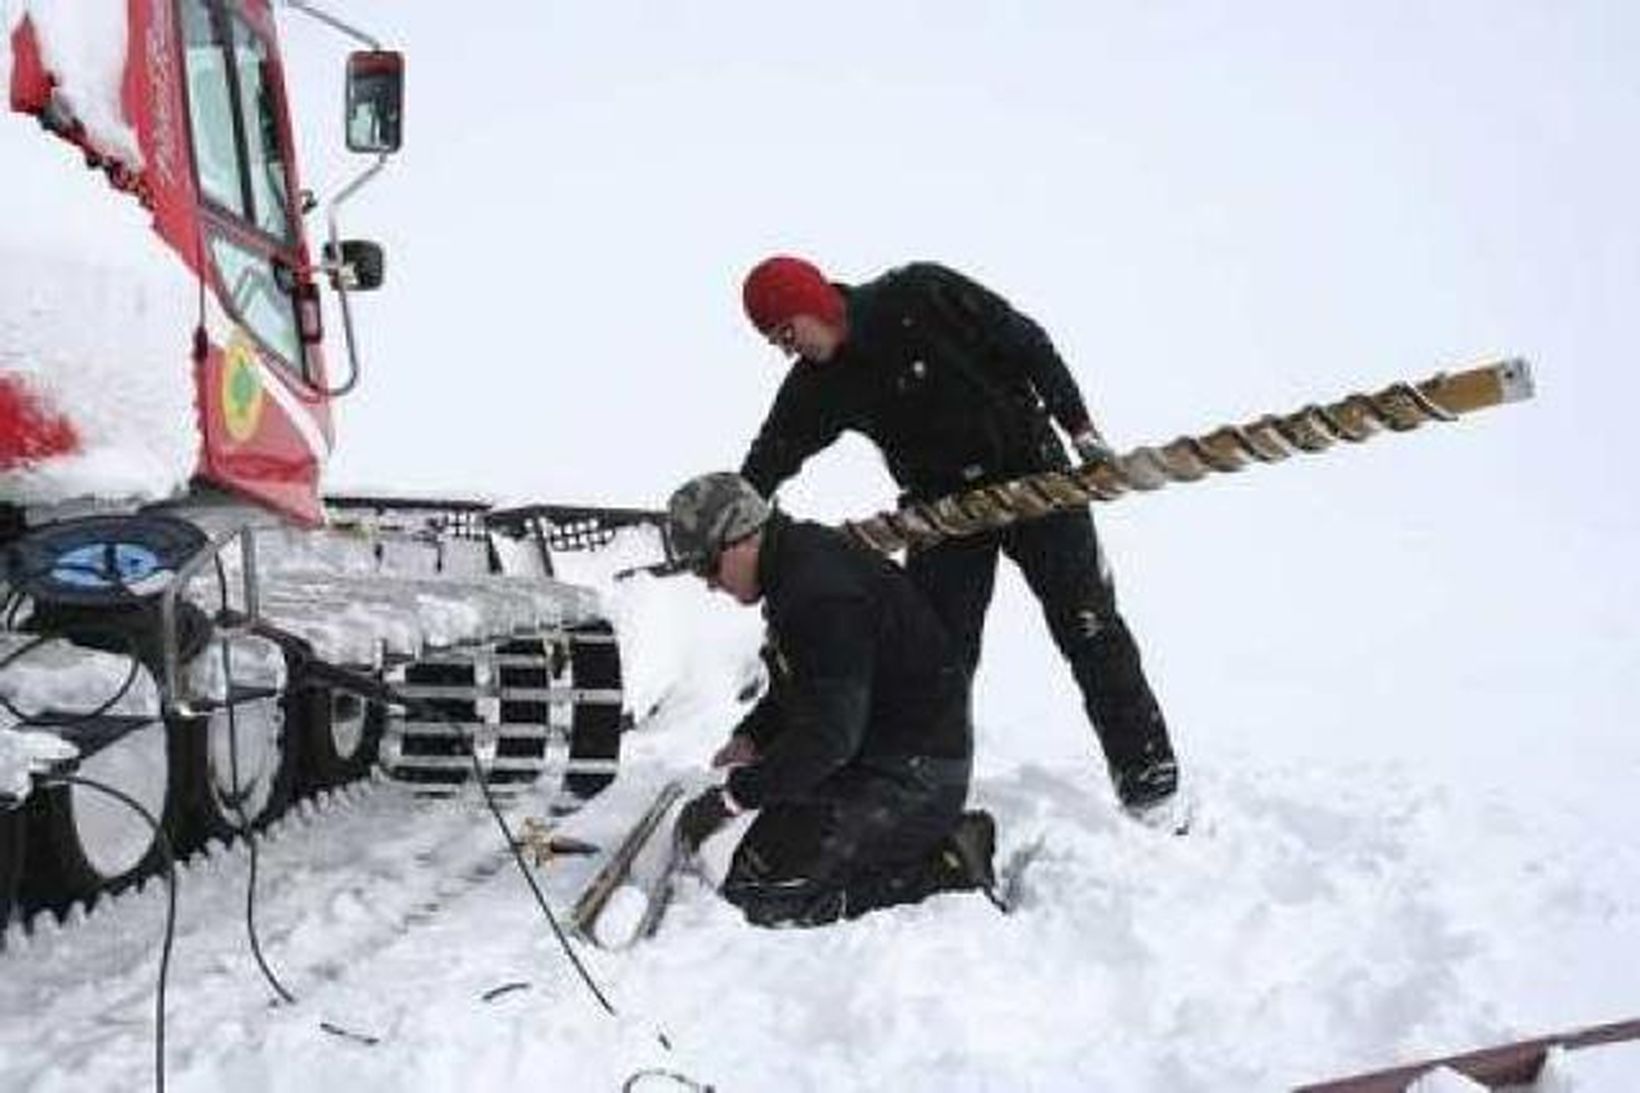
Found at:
(737, 751)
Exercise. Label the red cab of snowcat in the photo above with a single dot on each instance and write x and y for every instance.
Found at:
(203, 92)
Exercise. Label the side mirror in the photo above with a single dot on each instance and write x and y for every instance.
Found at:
(375, 95)
(359, 265)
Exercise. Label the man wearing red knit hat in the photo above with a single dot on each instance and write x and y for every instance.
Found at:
(957, 389)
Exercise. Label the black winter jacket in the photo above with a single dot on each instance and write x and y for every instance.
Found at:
(952, 384)
(861, 669)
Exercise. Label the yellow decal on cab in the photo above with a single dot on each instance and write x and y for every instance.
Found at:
(241, 388)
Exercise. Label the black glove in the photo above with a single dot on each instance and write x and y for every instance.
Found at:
(701, 817)
(1091, 447)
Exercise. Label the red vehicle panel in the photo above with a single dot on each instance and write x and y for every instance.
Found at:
(203, 91)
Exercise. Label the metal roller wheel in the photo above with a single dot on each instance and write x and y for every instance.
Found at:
(341, 735)
(81, 844)
(246, 764)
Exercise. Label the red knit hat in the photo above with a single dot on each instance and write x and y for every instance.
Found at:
(782, 287)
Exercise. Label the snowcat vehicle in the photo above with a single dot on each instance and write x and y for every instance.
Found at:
(170, 563)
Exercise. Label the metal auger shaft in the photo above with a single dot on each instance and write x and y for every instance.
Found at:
(1398, 408)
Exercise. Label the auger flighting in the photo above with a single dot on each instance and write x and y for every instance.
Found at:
(1355, 418)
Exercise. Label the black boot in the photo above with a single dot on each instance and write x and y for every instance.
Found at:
(1147, 783)
(1149, 792)
(965, 857)
(960, 863)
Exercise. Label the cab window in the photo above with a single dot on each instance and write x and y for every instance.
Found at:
(234, 117)
(210, 110)
(259, 292)
(234, 113)
(260, 116)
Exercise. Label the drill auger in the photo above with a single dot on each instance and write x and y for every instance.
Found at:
(1270, 439)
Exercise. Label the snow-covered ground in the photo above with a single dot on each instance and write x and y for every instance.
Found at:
(1321, 918)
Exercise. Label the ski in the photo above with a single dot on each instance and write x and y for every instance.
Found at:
(624, 900)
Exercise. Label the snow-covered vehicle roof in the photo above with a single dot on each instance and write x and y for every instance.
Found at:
(167, 330)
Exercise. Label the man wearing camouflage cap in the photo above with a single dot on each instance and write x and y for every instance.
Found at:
(858, 756)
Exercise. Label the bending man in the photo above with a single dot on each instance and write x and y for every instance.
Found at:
(957, 389)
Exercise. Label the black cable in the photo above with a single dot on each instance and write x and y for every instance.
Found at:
(56, 778)
(163, 841)
(369, 688)
(244, 830)
(33, 721)
(21, 578)
(433, 713)
(22, 651)
(233, 800)
(506, 988)
(15, 601)
(374, 690)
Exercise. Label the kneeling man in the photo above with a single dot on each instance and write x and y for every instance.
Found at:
(858, 756)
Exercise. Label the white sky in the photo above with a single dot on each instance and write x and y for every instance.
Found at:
(1217, 210)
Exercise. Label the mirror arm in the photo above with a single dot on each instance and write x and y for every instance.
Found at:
(333, 22)
(338, 283)
(313, 11)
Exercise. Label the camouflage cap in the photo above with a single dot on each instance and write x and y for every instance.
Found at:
(709, 512)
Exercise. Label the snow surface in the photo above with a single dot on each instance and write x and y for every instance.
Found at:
(1321, 919)
(82, 43)
(65, 678)
(104, 341)
(329, 588)
(96, 313)
(24, 752)
(60, 678)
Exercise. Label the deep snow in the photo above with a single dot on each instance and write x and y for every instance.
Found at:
(1321, 918)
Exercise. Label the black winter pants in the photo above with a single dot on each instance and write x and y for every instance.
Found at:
(868, 838)
(1060, 558)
